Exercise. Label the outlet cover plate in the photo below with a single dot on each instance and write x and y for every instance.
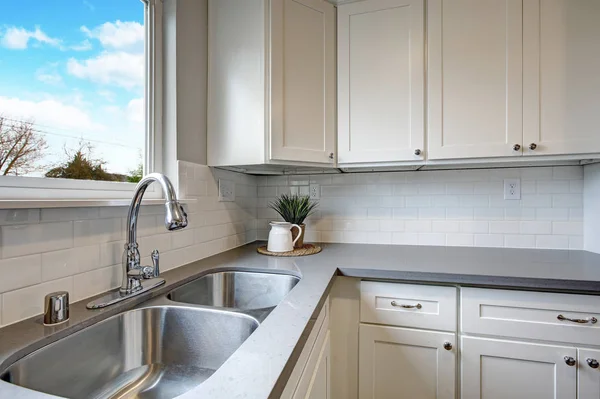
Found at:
(315, 191)
(512, 189)
(226, 191)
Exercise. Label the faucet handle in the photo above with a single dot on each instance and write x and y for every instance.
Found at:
(155, 262)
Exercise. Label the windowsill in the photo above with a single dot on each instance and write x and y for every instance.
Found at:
(79, 203)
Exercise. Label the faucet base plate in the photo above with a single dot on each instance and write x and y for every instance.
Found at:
(115, 296)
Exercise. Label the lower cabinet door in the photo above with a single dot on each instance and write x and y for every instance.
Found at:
(397, 363)
(589, 374)
(498, 369)
(319, 387)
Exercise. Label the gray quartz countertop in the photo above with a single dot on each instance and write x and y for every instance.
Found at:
(261, 366)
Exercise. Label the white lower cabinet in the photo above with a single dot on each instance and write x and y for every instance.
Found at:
(497, 369)
(589, 374)
(406, 363)
(311, 377)
(319, 386)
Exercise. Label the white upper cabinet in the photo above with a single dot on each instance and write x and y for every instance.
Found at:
(381, 81)
(271, 96)
(302, 81)
(475, 97)
(561, 76)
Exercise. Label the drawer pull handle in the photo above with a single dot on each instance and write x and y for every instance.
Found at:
(569, 361)
(417, 306)
(592, 320)
(447, 346)
(593, 363)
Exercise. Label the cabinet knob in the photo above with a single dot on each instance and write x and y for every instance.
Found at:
(517, 147)
(447, 346)
(593, 363)
(331, 156)
(417, 152)
(532, 146)
(569, 361)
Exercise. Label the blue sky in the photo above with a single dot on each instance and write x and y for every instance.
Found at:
(75, 68)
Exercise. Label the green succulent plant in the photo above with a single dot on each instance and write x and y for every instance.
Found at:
(294, 208)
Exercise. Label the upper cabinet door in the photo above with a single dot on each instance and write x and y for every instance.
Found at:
(380, 81)
(561, 76)
(475, 85)
(302, 81)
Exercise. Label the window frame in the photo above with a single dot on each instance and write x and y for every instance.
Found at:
(35, 189)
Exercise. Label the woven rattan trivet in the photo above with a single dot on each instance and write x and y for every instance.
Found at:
(307, 249)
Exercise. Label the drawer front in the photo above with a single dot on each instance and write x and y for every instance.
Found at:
(408, 305)
(533, 315)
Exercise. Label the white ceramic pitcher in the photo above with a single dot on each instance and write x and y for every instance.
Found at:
(280, 237)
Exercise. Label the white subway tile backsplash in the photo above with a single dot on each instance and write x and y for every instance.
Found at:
(405, 239)
(464, 207)
(437, 239)
(553, 187)
(536, 227)
(20, 272)
(519, 241)
(489, 240)
(567, 228)
(67, 262)
(26, 302)
(90, 232)
(460, 240)
(504, 227)
(80, 249)
(36, 238)
(66, 214)
(19, 216)
(552, 242)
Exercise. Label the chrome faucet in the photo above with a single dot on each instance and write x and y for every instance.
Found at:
(175, 219)
(133, 271)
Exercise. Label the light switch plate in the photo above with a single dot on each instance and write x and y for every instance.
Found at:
(226, 191)
(512, 189)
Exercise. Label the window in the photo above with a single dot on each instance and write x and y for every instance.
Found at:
(75, 83)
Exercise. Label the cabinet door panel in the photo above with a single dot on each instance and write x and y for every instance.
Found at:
(380, 80)
(320, 384)
(495, 369)
(474, 78)
(403, 363)
(302, 80)
(561, 79)
(589, 377)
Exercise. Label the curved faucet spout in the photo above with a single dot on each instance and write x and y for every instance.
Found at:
(175, 216)
(175, 219)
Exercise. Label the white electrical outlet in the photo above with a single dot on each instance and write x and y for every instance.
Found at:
(512, 189)
(226, 191)
(315, 191)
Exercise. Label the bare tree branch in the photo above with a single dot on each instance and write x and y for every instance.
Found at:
(20, 148)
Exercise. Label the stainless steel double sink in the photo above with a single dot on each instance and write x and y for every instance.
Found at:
(162, 348)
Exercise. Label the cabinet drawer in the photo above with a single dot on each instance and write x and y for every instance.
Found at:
(533, 315)
(408, 305)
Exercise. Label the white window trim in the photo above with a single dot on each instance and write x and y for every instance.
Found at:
(23, 192)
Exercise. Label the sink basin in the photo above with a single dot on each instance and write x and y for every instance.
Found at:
(236, 290)
(152, 352)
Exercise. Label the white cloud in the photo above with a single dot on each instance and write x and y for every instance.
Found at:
(51, 78)
(18, 38)
(83, 46)
(118, 35)
(51, 113)
(135, 111)
(112, 68)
